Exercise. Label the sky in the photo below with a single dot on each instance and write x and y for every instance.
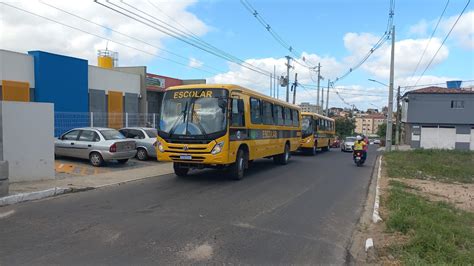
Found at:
(335, 33)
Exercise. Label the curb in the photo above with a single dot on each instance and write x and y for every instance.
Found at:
(36, 195)
(375, 215)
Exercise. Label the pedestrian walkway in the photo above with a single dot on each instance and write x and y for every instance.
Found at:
(21, 191)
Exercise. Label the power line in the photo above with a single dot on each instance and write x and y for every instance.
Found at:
(122, 34)
(431, 37)
(105, 38)
(444, 40)
(274, 34)
(182, 37)
(376, 46)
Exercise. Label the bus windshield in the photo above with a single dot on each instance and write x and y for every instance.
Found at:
(307, 126)
(194, 112)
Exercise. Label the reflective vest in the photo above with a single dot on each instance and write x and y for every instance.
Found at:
(359, 145)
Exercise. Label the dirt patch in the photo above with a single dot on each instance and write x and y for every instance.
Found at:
(198, 253)
(460, 195)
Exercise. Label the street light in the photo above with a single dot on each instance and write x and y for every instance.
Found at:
(376, 81)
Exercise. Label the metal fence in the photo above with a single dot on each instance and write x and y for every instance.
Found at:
(64, 121)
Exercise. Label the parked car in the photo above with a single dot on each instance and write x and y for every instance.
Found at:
(336, 143)
(145, 139)
(376, 141)
(96, 144)
(347, 144)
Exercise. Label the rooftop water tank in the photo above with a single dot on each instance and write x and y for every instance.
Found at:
(454, 84)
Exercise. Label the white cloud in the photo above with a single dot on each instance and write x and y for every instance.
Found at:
(193, 62)
(407, 54)
(420, 28)
(463, 33)
(23, 32)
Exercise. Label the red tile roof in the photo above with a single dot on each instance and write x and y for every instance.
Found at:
(440, 90)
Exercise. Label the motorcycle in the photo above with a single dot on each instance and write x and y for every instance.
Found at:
(359, 158)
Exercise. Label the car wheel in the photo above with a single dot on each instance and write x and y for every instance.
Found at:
(180, 171)
(142, 155)
(122, 161)
(96, 159)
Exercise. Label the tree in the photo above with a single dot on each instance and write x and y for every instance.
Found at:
(382, 130)
(344, 126)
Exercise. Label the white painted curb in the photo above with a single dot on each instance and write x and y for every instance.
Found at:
(375, 216)
(369, 243)
(36, 195)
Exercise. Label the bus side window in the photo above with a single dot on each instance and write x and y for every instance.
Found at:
(267, 113)
(255, 111)
(296, 118)
(237, 119)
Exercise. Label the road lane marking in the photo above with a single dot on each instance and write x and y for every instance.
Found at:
(7, 214)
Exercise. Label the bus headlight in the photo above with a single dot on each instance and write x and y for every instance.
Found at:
(217, 148)
(160, 147)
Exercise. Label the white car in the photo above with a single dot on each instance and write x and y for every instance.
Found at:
(348, 143)
(145, 138)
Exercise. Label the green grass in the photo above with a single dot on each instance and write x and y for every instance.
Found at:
(438, 232)
(440, 165)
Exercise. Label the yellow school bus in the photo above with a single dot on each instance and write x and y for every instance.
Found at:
(224, 126)
(318, 132)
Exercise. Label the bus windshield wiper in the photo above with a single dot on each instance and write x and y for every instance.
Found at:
(175, 124)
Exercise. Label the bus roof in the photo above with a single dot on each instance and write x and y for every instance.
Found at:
(235, 87)
(317, 115)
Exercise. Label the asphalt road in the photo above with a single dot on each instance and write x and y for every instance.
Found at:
(301, 213)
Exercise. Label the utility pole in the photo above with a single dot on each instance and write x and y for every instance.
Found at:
(397, 129)
(295, 84)
(319, 76)
(275, 85)
(288, 79)
(271, 84)
(388, 137)
(327, 98)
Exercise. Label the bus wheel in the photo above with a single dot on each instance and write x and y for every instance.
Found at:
(236, 170)
(283, 158)
(312, 151)
(180, 171)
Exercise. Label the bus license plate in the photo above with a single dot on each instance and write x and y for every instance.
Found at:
(185, 157)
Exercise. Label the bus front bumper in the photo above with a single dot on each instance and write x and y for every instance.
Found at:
(203, 159)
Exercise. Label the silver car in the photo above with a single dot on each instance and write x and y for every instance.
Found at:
(96, 144)
(145, 138)
(347, 144)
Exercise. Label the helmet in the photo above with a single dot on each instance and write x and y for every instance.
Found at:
(359, 137)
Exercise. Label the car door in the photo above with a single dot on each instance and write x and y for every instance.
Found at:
(65, 144)
(85, 143)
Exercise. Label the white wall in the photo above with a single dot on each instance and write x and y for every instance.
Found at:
(17, 67)
(112, 80)
(28, 142)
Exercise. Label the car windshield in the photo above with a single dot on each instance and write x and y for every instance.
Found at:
(111, 134)
(152, 133)
(195, 112)
(350, 139)
(307, 126)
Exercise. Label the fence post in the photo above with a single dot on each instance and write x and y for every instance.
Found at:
(154, 120)
(92, 119)
(126, 119)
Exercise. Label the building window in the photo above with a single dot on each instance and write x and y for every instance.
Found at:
(456, 104)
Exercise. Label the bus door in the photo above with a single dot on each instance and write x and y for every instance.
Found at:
(237, 130)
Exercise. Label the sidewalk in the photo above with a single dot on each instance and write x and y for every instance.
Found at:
(26, 191)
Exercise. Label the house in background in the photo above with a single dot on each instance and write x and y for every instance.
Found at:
(439, 118)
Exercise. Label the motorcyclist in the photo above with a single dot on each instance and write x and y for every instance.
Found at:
(361, 146)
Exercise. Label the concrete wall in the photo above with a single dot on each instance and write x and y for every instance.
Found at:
(28, 142)
(61, 80)
(17, 67)
(113, 80)
(436, 108)
(141, 71)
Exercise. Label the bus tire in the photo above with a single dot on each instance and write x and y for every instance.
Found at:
(236, 170)
(180, 171)
(282, 158)
(312, 151)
